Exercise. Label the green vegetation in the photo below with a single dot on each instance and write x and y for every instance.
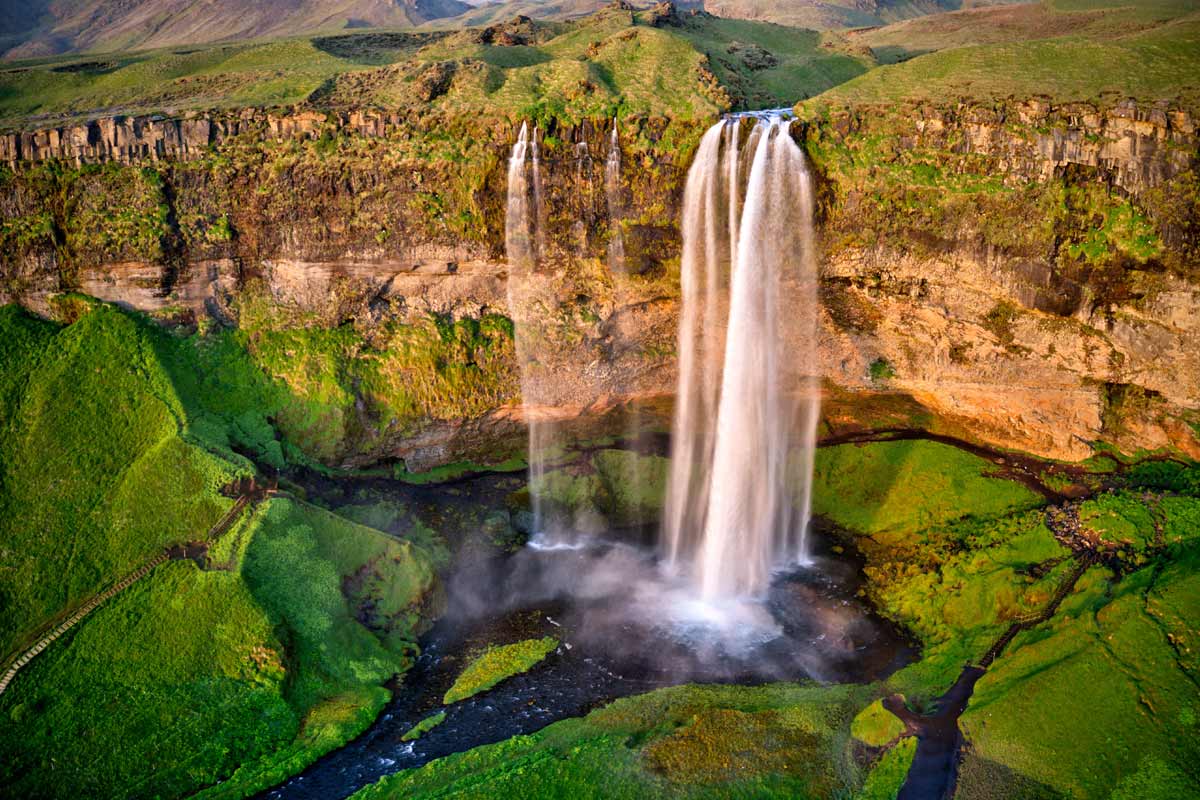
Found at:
(766, 66)
(899, 174)
(1104, 51)
(267, 657)
(115, 445)
(619, 487)
(497, 663)
(423, 727)
(907, 486)
(405, 373)
(612, 62)
(457, 469)
(890, 772)
(1122, 641)
(875, 726)
(92, 426)
(881, 370)
(951, 552)
(957, 581)
(782, 740)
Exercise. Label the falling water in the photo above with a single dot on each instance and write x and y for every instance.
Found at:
(748, 398)
(522, 245)
(612, 191)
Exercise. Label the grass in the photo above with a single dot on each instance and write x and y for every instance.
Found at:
(782, 740)
(1140, 710)
(92, 427)
(423, 727)
(99, 713)
(875, 726)
(890, 772)
(117, 436)
(497, 663)
(906, 486)
(1150, 59)
(273, 663)
(593, 68)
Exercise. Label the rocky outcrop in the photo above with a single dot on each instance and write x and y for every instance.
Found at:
(129, 139)
(1137, 148)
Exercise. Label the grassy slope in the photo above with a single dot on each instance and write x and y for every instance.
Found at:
(102, 465)
(1148, 52)
(92, 428)
(710, 741)
(268, 660)
(600, 66)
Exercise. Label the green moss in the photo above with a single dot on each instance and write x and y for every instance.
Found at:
(633, 486)
(782, 740)
(497, 663)
(457, 469)
(890, 772)
(875, 726)
(908, 485)
(881, 370)
(423, 727)
(1119, 520)
(404, 373)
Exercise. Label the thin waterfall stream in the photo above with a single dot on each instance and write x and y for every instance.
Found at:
(523, 244)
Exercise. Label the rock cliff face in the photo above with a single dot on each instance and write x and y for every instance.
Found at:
(1029, 274)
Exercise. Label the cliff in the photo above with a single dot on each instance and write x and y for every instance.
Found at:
(1029, 274)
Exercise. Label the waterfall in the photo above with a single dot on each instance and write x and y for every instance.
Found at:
(748, 398)
(612, 192)
(522, 245)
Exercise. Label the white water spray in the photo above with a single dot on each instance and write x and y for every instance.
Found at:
(748, 398)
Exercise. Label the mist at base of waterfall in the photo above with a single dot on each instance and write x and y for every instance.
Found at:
(618, 600)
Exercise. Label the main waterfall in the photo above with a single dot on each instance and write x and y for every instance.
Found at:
(748, 398)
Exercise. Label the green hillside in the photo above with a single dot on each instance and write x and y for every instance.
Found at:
(614, 61)
(1065, 50)
(111, 448)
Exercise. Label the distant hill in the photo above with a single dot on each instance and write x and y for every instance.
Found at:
(614, 62)
(36, 28)
(817, 14)
(40, 28)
